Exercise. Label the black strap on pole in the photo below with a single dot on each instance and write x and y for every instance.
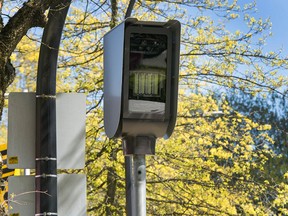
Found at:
(46, 154)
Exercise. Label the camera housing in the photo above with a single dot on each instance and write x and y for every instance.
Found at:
(141, 70)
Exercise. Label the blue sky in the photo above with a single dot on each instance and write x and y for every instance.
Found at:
(277, 10)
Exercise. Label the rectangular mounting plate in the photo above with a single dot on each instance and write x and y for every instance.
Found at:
(70, 115)
(71, 195)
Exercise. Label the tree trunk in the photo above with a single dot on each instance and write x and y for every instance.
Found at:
(7, 74)
(31, 14)
(111, 184)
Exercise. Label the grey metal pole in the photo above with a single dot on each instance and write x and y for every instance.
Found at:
(135, 149)
(130, 191)
(139, 166)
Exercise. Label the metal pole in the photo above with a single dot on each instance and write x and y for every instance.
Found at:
(130, 190)
(139, 166)
(46, 154)
(135, 149)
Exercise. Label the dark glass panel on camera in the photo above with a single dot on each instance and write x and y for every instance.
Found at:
(147, 72)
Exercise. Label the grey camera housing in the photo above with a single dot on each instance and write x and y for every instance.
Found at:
(141, 70)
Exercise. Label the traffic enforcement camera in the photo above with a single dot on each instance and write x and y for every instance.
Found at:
(141, 68)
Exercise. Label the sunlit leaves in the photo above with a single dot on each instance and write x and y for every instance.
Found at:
(211, 164)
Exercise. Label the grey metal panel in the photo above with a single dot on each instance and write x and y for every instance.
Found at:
(21, 130)
(71, 116)
(71, 195)
(21, 195)
(71, 112)
(113, 73)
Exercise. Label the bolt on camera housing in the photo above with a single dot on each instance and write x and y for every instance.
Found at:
(141, 70)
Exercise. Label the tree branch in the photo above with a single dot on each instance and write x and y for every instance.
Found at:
(31, 14)
(130, 8)
(114, 13)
